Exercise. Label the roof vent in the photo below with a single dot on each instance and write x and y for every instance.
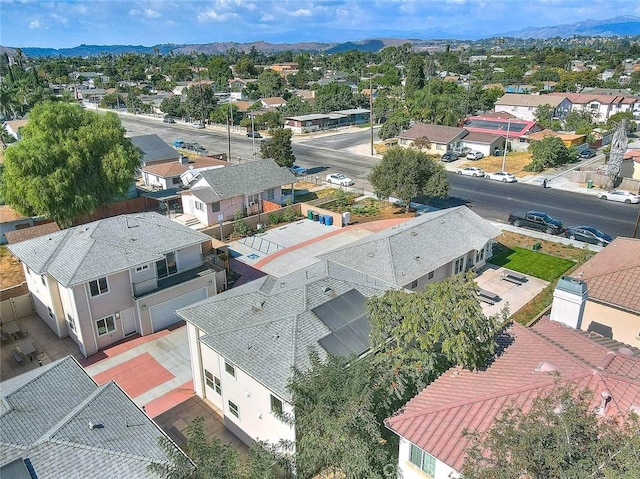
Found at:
(327, 290)
(275, 336)
(545, 367)
(625, 351)
(370, 255)
(601, 409)
(416, 258)
(258, 305)
(414, 233)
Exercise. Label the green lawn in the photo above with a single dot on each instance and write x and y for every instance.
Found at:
(540, 265)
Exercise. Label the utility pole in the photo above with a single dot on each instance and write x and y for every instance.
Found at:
(229, 119)
(371, 110)
(506, 141)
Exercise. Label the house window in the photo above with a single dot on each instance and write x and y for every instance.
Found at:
(414, 284)
(212, 381)
(199, 205)
(218, 385)
(167, 266)
(425, 461)
(215, 207)
(142, 268)
(276, 405)
(233, 409)
(44, 281)
(176, 180)
(106, 325)
(431, 275)
(98, 287)
(71, 323)
(230, 369)
(459, 264)
(270, 194)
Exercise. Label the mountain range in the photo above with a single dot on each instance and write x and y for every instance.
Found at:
(618, 26)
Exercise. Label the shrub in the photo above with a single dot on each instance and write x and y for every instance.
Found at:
(289, 215)
(274, 218)
(240, 228)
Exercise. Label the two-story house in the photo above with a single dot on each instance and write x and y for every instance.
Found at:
(102, 281)
(524, 106)
(244, 187)
(601, 106)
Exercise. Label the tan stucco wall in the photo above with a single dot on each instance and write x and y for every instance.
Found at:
(625, 326)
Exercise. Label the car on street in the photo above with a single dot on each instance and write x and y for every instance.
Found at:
(475, 155)
(339, 179)
(198, 125)
(588, 153)
(536, 220)
(471, 171)
(254, 134)
(449, 156)
(168, 119)
(503, 176)
(298, 170)
(587, 234)
(623, 196)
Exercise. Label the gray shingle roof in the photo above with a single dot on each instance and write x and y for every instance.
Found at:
(45, 419)
(407, 252)
(266, 327)
(90, 251)
(242, 179)
(154, 149)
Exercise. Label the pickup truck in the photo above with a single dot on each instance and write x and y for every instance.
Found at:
(537, 221)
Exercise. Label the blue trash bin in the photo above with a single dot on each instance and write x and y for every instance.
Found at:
(321, 219)
(328, 220)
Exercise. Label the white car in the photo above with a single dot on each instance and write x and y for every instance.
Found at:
(198, 125)
(339, 179)
(471, 171)
(503, 176)
(623, 196)
(475, 155)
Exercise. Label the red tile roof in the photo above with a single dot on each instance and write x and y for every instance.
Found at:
(435, 419)
(612, 274)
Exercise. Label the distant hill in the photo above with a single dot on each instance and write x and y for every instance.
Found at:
(94, 50)
(363, 46)
(622, 26)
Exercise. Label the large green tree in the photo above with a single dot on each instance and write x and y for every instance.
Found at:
(419, 335)
(172, 106)
(335, 96)
(220, 72)
(200, 102)
(415, 75)
(549, 152)
(278, 147)
(336, 428)
(270, 84)
(69, 162)
(559, 436)
(407, 173)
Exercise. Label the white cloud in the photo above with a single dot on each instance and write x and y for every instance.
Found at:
(60, 19)
(134, 12)
(302, 12)
(267, 17)
(34, 25)
(211, 15)
(149, 13)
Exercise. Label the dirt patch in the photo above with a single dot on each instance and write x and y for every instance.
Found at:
(11, 272)
(579, 255)
(515, 163)
(371, 209)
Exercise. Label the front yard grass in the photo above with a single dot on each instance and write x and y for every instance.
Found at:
(540, 265)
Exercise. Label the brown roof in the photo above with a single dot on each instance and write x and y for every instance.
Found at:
(477, 137)
(521, 99)
(435, 133)
(586, 98)
(168, 170)
(243, 105)
(32, 232)
(539, 135)
(499, 114)
(274, 100)
(435, 419)
(16, 124)
(612, 274)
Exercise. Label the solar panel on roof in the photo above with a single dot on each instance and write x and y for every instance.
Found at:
(332, 345)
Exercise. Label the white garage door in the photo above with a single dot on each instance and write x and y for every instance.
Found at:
(162, 315)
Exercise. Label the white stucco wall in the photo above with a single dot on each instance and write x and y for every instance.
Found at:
(43, 299)
(407, 470)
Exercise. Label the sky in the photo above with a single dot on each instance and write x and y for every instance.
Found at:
(68, 23)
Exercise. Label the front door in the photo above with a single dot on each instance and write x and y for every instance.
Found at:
(128, 320)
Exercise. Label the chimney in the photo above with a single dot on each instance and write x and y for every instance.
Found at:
(569, 299)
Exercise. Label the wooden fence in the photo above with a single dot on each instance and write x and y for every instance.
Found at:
(135, 205)
(600, 180)
(15, 303)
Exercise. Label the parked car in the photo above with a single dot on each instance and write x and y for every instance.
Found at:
(587, 234)
(339, 179)
(298, 170)
(623, 196)
(198, 125)
(503, 176)
(461, 151)
(470, 171)
(449, 156)
(536, 220)
(588, 153)
(254, 134)
(168, 119)
(475, 155)
(178, 144)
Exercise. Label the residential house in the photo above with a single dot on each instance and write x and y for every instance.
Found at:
(57, 422)
(11, 220)
(241, 187)
(441, 138)
(245, 341)
(175, 174)
(524, 106)
(529, 363)
(154, 149)
(601, 106)
(325, 121)
(105, 280)
(486, 143)
(569, 139)
(612, 308)
(307, 95)
(631, 164)
(285, 68)
(514, 130)
(272, 102)
(425, 249)
(12, 127)
(368, 92)
(24, 234)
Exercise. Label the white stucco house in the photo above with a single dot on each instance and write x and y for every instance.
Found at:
(524, 106)
(240, 187)
(102, 281)
(601, 106)
(175, 174)
(244, 342)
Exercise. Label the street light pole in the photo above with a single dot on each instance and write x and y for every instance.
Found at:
(253, 138)
(504, 153)
(371, 111)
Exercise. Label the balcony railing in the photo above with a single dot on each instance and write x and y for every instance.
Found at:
(208, 265)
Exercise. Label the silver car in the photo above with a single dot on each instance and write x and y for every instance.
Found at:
(503, 176)
(339, 179)
(471, 171)
(623, 196)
